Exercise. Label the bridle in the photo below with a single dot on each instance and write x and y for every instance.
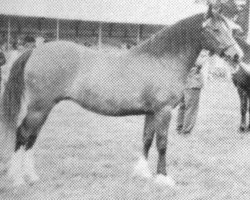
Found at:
(210, 36)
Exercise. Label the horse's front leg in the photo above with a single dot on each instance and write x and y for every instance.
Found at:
(162, 121)
(243, 108)
(142, 168)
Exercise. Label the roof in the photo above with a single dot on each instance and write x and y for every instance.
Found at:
(120, 11)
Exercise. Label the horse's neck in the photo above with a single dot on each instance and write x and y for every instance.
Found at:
(246, 49)
(177, 43)
(185, 57)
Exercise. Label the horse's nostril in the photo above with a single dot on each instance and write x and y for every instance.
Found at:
(236, 58)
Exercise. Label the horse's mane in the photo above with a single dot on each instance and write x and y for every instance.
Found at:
(245, 47)
(174, 38)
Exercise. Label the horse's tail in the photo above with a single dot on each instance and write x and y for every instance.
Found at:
(11, 100)
(14, 89)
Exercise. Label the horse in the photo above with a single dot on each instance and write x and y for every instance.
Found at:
(241, 79)
(148, 79)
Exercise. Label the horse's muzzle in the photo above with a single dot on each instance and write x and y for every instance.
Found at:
(222, 54)
(235, 58)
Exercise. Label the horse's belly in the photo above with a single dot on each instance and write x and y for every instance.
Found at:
(115, 95)
(107, 95)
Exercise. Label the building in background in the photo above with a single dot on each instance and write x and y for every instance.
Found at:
(15, 28)
(90, 22)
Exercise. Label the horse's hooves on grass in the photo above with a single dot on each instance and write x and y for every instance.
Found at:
(164, 180)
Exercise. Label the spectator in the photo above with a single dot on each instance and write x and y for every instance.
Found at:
(189, 102)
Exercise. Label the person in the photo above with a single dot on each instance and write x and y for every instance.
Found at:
(2, 62)
(29, 42)
(189, 102)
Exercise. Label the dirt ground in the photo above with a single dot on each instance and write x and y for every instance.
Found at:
(81, 155)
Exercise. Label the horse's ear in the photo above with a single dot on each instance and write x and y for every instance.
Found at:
(210, 11)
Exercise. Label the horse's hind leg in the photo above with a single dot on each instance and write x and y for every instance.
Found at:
(162, 122)
(26, 136)
(142, 168)
(243, 108)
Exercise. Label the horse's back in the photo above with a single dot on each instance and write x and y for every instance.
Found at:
(54, 55)
(53, 66)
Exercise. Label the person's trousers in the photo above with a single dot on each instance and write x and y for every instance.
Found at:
(188, 109)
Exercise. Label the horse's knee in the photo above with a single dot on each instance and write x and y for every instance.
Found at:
(148, 141)
(162, 151)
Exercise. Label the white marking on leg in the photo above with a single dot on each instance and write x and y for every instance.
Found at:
(15, 171)
(164, 180)
(29, 166)
(142, 168)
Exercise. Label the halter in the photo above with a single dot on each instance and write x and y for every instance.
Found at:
(209, 35)
(234, 70)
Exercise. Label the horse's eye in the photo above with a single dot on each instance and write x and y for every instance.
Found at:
(216, 30)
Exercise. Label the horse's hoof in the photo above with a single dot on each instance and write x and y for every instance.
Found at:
(242, 129)
(142, 169)
(164, 180)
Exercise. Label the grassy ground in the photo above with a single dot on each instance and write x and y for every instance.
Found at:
(80, 155)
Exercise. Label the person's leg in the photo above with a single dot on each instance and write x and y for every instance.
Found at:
(181, 113)
(0, 79)
(192, 97)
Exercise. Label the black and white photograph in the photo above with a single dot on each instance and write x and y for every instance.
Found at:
(124, 100)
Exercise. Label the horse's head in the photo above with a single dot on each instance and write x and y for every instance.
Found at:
(218, 35)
